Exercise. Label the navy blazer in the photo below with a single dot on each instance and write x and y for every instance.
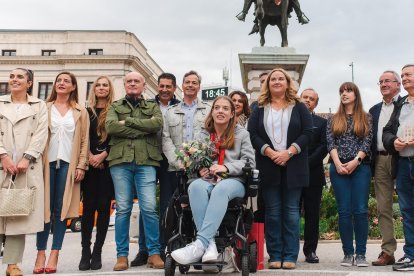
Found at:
(299, 132)
(317, 152)
(375, 112)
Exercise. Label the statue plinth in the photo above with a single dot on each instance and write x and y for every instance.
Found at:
(266, 59)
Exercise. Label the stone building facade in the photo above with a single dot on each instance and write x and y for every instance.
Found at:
(87, 54)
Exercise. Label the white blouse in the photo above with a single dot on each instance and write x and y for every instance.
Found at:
(63, 130)
(277, 126)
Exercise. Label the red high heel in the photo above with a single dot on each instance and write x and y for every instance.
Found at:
(49, 270)
(40, 270)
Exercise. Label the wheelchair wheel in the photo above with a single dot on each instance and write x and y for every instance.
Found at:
(184, 269)
(253, 257)
(245, 265)
(169, 266)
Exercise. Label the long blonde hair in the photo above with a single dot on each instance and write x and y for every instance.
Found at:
(360, 118)
(229, 132)
(92, 101)
(291, 96)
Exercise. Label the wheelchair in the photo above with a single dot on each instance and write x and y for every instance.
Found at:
(180, 229)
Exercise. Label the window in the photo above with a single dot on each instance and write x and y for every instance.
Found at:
(3, 88)
(88, 89)
(8, 53)
(45, 88)
(95, 52)
(48, 52)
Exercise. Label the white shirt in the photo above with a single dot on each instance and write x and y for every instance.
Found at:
(277, 126)
(63, 130)
(385, 114)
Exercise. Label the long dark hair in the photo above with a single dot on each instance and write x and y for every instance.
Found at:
(228, 142)
(29, 74)
(73, 97)
(246, 107)
(360, 118)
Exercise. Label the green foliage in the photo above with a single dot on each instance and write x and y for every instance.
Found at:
(328, 225)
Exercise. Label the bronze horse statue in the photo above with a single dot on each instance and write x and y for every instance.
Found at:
(268, 13)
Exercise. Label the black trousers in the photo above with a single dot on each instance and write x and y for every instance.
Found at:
(311, 200)
(97, 191)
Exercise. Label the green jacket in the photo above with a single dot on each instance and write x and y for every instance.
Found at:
(136, 140)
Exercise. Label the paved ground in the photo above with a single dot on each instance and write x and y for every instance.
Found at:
(330, 254)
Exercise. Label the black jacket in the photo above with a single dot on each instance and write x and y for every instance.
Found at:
(317, 152)
(389, 134)
(299, 132)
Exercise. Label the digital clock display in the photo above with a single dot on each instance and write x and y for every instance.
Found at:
(212, 93)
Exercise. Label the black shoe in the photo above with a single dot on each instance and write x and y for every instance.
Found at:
(96, 259)
(85, 262)
(404, 264)
(312, 258)
(140, 259)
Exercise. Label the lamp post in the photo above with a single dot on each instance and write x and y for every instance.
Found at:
(352, 70)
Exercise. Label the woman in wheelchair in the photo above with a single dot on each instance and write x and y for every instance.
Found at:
(208, 197)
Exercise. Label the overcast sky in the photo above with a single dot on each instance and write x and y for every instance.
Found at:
(205, 36)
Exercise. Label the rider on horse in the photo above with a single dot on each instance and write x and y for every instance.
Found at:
(293, 4)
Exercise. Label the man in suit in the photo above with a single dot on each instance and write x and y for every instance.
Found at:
(390, 85)
(311, 196)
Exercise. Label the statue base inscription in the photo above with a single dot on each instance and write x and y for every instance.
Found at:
(263, 59)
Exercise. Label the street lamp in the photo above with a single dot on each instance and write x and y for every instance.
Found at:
(352, 70)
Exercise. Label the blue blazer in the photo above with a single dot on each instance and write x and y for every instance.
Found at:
(375, 112)
(299, 132)
(317, 152)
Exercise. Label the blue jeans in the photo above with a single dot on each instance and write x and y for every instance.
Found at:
(209, 204)
(168, 185)
(125, 176)
(282, 222)
(405, 190)
(351, 193)
(57, 189)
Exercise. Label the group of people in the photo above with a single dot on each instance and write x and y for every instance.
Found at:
(124, 148)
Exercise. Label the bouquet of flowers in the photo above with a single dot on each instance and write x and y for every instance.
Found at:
(195, 155)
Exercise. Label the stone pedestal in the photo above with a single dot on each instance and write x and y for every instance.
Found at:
(267, 58)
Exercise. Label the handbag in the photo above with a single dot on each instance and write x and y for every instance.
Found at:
(16, 202)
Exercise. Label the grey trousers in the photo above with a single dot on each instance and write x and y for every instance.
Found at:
(384, 190)
(13, 248)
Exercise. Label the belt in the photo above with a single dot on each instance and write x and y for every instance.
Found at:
(411, 158)
(383, 152)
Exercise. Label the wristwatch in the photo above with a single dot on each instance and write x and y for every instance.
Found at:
(29, 157)
(359, 159)
(290, 154)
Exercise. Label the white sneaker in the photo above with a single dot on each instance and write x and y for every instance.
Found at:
(211, 253)
(189, 254)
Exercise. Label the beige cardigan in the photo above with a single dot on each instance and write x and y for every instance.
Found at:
(78, 160)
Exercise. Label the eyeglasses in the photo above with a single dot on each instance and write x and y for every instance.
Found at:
(381, 82)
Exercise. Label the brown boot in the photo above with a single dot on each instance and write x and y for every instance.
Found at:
(121, 263)
(154, 261)
(13, 270)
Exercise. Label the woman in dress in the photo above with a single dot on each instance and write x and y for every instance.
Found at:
(97, 187)
(349, 135)
(280, 128)
(66, 160)
(23, 127)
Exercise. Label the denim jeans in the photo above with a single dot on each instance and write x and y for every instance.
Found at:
(282, 222)
(125, 176)
(209, 204)
(168, 185)
(351, 193)
(405, 190)
(57, 189)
